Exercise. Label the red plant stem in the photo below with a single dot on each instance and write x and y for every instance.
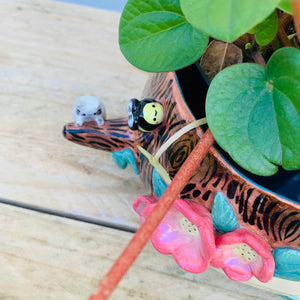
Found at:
(296, 13)
(256, 55)
(141, 237)
(258, 58)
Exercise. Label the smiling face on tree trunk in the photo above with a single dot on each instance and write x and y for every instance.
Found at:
(145, 115)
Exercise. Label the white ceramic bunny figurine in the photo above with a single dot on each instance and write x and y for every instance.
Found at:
(89, 108)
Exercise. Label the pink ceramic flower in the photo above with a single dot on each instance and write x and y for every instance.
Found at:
(242, 254)
(186, 232)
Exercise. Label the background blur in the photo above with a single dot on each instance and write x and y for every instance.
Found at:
(115, 5)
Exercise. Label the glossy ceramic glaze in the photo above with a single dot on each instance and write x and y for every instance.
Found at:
(234, 201)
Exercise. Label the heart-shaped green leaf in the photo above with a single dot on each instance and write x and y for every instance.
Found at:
(286, 5)
(227, 20)
(254, 112)
(155, 36)
(267, 30)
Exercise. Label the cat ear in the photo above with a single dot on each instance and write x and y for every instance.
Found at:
(130, 121)
(135, 124)
(130, 110)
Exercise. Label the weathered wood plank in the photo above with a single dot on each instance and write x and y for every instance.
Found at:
(51, 54)
(46, 257)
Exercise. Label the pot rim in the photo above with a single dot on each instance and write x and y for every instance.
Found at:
(218, 155)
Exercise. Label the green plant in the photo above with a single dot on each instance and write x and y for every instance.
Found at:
(252, 108)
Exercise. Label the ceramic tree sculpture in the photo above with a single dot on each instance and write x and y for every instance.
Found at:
(222, 218)
(239, 211)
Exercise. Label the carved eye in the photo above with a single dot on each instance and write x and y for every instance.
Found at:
(99, 112)
(153, 105)
(77, 111)
(154, 119)
(83, 115)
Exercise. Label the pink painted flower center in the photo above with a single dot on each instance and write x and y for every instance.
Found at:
(189, 227)
(245, 252)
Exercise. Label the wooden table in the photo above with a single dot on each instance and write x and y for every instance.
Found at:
(51, 53)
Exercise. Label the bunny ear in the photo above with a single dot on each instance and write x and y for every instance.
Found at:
(103, 110)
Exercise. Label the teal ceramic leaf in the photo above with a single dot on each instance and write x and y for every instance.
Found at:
(123, 158)
(227, 20)
(287, 262)
(254, 113)
(223, 215)
(155, 36)
(290, 297)
(159, 185)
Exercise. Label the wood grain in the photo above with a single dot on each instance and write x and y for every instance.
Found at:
(51, 54)
(46, 257)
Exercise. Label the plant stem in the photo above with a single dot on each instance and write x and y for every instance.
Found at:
(256, 54)
(296, 13)
(141, 237)
(243, 40)
(286, 20)
(281, 32)
(258, 58)
(240, 43)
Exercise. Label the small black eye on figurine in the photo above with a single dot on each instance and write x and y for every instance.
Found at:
(145, 115)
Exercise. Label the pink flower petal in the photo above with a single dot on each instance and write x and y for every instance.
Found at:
(221, 256)
(191, 248)
(190, 258)
(141, 202)
(261, 266)
(166, 241)
(238, 271)
(265, 270)
(172, 218)
(242, 235)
